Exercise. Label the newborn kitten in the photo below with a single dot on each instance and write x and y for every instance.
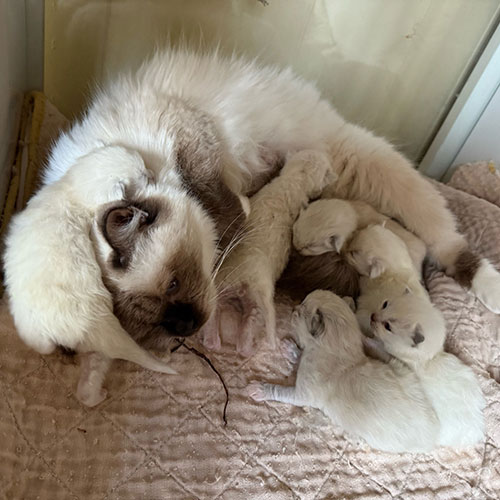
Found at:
(247, 275)
(395, 309)
(387, 272)
(381, 403)
(407, 329)
(326, 225)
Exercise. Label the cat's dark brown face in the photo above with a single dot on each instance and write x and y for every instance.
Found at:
(158, 267)
(158, 247)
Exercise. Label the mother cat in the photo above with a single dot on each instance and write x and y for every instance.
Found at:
(213, 130)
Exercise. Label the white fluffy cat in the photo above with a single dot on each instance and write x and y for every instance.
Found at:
(394, 308)
(382, 403)
(257, 116)
(54, 283)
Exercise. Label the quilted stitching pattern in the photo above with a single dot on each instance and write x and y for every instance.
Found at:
(160, 436)
(481, 179)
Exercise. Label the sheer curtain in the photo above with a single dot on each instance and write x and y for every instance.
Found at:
(390, 65)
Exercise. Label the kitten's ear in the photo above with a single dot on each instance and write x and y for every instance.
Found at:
(337, 242)
(376, 268)
(316, 324)
(354, 257)
(418, 336)
(350, 302)
(407, 290)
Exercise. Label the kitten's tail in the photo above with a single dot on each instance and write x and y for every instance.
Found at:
(110, 339)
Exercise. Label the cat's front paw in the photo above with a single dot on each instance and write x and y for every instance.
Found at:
(320, 172)
(257, 391)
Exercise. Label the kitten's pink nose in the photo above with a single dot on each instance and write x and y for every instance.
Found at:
(373, 318)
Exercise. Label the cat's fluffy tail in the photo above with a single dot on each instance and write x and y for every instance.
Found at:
(113, 341)
(480, 276)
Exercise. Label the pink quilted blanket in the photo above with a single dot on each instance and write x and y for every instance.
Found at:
(162, 437)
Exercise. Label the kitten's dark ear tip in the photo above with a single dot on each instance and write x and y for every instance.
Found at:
(418, 337)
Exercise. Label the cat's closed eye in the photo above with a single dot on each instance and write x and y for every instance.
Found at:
(385, 304)
(387, 326)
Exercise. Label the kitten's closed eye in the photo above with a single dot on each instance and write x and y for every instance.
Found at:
(387, 326)
(385, 304)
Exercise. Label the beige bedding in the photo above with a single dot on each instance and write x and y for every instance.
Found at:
(162, 437)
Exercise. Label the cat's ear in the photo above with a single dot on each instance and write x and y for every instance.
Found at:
(418, 335)
(407, 290)
(337, 242)
(376, 268)
(316, 323)
(350, 302)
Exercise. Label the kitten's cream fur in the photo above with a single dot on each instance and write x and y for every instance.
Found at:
(416, 338)
(395, 309)
(248, 274)
(387, 271)
(326, 225)
(382, 403)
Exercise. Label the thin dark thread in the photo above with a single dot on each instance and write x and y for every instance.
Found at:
(202, 356)
(181, 343)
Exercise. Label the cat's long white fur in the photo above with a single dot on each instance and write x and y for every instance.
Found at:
(54, 283)
(265, 112)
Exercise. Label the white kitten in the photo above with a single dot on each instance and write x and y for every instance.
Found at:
(386, 269)
(248, 273)
(326, 225)
(382, 403)
(411, 331)
(395, 309)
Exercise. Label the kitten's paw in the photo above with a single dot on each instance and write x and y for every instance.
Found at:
(374, 348)
(257, 391)
(486, 286)
(317, 168)
(91, 397)
(212, 342)
(245, 347)
(290, 350)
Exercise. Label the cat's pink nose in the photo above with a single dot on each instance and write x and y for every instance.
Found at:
(373, 318)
